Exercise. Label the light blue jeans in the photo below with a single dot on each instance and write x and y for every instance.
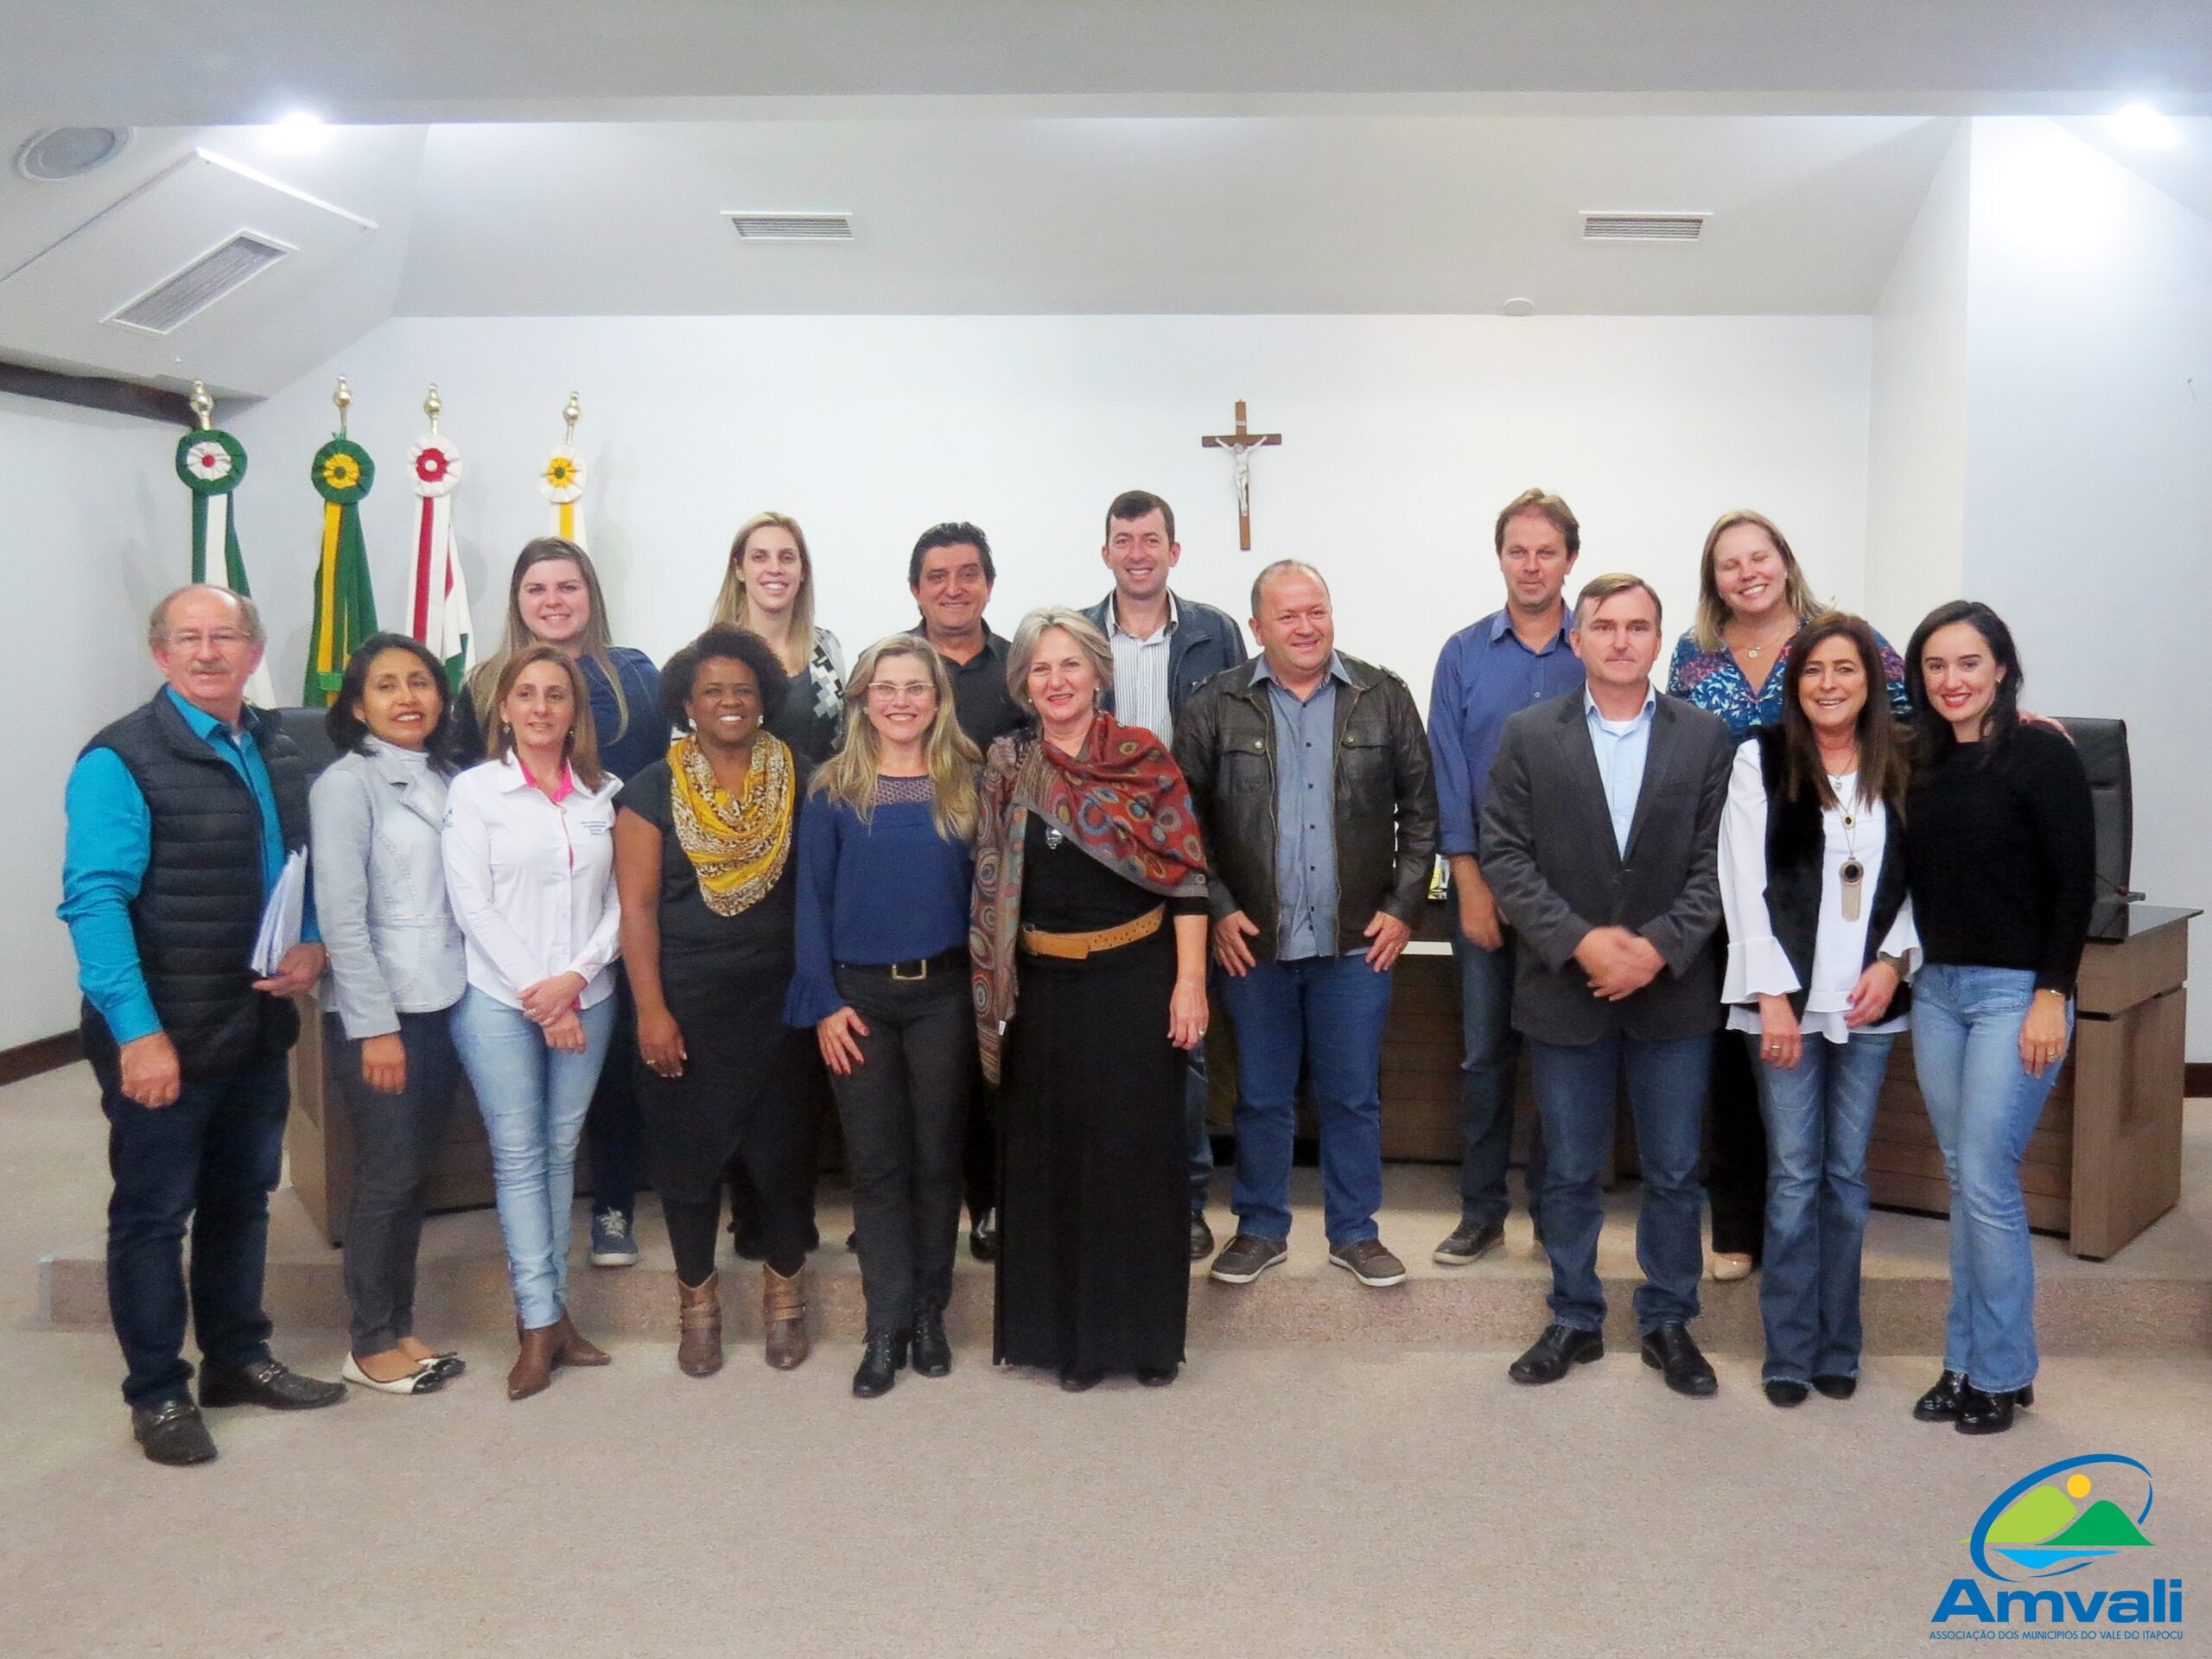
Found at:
(1820, 1116)
(533, 1099)
(1984, 1104)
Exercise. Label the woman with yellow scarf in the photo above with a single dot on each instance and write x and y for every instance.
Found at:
(702, 855)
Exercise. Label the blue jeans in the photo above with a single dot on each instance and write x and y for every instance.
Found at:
(533, 1098)
(1984, 1104)
(1577, 1085)
(1328, 1012)
(1819, 1116)
(206, 1162)
(1489, 1047)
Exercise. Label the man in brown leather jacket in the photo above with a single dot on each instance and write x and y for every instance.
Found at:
(1310, 774)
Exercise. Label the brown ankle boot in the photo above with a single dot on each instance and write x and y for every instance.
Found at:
(569, 1347)
(699, 1326)
(533, 1369)
(783, 1317)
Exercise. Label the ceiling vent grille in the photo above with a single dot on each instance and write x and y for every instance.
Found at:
(792, 227)
(179, 298)
(1643, 227)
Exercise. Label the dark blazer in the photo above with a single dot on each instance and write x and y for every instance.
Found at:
(1206, 642)
(1547, 853)
(1386, 819)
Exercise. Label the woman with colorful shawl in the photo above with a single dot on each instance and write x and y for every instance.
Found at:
(703, 859)
(1088, 952)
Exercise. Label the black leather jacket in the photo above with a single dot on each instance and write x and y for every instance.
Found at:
(1385, 799)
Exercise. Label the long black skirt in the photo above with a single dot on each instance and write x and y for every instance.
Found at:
(744, 1093)
(1094, 1266)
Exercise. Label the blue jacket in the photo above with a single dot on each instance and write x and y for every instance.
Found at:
(1206, 642)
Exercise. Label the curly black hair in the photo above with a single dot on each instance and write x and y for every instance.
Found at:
(680, 673)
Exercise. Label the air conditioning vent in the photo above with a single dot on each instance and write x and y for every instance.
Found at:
(1643, 227)
(179, 298)
(792, 227)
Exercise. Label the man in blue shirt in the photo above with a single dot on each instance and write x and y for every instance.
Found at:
(1508, 661)
(180, 817)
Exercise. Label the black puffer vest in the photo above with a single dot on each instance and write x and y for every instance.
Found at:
(198, 912)
(1795, 853)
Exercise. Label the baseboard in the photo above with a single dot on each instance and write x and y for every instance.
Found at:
(46, 1054)
(2196, 1079)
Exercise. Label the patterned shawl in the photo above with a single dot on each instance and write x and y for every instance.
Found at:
(1122, 800)
(737, 848)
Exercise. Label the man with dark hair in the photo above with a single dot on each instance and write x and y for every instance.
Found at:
(181, 815)
(1511, 658)
(951, 576)
(1165, 648)
(1600, 841)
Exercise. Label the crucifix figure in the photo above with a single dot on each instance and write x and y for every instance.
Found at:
(1240, 445)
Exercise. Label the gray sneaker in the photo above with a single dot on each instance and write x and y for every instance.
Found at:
(611, 1243)
(1247, 1257)
(1368, 1262)
(1470, 1240)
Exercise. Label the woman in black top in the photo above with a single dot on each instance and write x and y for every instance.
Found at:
(2000, 855)
(1087, 846)
(703, 860)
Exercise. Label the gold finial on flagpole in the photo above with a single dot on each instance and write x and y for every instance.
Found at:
(571, 413)
(432, 404)
(344, 399)
(201, 405)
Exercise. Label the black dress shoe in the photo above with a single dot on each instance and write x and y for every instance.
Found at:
(1153, 1377)
(1201, 1237)
(1837, 1388)
(932, 1351)
(1671, 1351)
(1559, 1348)
(1984, 1412)
(268, 1382)
(984, 1236)
(1780, 1391)
(1940, 1404)
(172, 1432)
(882, 1356)
(1074, 1382)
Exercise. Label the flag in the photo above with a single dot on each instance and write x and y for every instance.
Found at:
(562, 483)
(345, 604)
(438, 597)
(212, 463)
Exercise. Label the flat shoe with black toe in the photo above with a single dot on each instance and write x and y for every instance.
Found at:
(1670, 1350)
(1940, 1404)
(421, 1380)
(1836, 1387)
(1780, 1391)
(172, 1432)
(268, 1382)
(1560, 1348)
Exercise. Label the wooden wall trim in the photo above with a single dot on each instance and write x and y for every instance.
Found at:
(97, 391)
(46, 1054)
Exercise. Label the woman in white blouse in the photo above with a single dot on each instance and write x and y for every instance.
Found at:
(1821, 943)
(530, 866)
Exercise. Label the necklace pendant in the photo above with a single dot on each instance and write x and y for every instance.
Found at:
(1853, 882)
(1054, 839)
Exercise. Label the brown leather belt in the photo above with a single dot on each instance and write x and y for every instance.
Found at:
(1074, 947)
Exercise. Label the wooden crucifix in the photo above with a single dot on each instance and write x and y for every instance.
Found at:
(1240, 445)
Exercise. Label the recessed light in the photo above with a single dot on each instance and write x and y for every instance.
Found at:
(65, 152)
(298, 133)
(1520, 307)
(2140, 125)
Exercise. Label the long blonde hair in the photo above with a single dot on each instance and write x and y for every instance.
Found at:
(580, 747)
(850, 775)
(733, 605)
(484, 679)
(1713, 610)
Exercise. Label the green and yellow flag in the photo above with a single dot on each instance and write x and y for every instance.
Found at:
(345, 603)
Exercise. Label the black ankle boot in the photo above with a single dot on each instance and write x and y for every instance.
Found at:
(881, 1358)
(932, 1351)
(1981, 1413)
(1940, 1404)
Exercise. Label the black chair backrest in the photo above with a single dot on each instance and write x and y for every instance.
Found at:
(309, 736)
(2103, 747)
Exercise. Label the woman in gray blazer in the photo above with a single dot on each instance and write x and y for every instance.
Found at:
(396, 969)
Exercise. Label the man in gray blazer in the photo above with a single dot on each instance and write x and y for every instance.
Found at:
(1599, 840)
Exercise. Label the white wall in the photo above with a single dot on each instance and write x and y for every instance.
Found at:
(99, 528)
(2089, 465)
(1916, 480)
(1403, 436)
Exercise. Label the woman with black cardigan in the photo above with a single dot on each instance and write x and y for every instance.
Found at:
(2000, 850)
(1821, 940)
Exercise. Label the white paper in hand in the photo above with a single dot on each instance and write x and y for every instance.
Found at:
(281, 917)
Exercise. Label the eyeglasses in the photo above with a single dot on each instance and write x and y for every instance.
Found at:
(899, 691)
(190, 639)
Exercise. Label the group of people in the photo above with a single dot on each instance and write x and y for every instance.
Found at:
(988, 895)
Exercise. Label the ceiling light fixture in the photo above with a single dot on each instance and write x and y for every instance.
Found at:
(2142, 127)
(1520, 307)
(298, 133)
(65, 152)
